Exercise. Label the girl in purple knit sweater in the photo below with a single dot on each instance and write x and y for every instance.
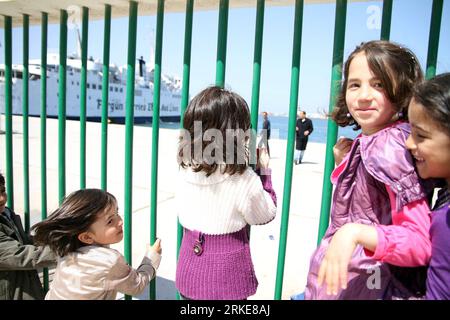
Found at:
(218, 197)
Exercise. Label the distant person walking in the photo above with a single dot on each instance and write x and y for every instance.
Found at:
(265, 133)
(303, 128)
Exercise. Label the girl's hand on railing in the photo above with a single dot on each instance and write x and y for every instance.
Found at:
(341, 148)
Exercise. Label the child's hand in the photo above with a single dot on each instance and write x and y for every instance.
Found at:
(154, 253)
(263, 159)
(156, 247)
(333, 269)
(341, 148)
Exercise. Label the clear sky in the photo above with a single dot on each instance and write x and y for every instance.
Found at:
(410, 27)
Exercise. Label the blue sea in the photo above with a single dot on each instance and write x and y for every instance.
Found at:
(279, 127)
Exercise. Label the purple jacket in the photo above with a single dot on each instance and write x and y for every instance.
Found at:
(360, 196)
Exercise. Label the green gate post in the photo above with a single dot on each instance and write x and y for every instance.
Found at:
(433, 42)
(105, 92)
(222, 43)
(25, 109)
(43, 125)
(257, 55)
(129, 121)
(386, 20)
(62, 104)
(336, 75)
(84, 49)
(8, 112)
(155, 130)
(185, 90)
(293, 101)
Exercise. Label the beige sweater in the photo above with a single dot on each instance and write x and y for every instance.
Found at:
(98, 273)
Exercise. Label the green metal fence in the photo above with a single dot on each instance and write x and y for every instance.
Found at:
(336, 74)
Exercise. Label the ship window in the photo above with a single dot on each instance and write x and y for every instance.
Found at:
(78, 96)
(78, 83)
(99, 87)
(121, 89)
(94, 86)
(72, 82)
(116, 89)
(88, 85)
(111, 89)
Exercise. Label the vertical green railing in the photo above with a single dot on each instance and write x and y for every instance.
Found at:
(185, 89)
(257, 56)
(336, 75)
(43, 124)
(293, 101)
(155, 130)
(62, 105)
(222, 43)
(8, 112)
(84, 49)
(129, 121)
(25, 108)
(386, 20)
(433, 42)
(105, 92)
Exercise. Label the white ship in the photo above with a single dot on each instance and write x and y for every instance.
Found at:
(170, 98)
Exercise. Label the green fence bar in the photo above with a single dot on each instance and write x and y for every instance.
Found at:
(8, 112)
(84, 49)
(43, 123)
(25, 108)
(62, 105)
(105, 92)
(185, 88)
(257, 55)
(293, 101)
(129, 121)
(386, 20)
(155, 130)
(433, 42)
(44, 27)
(222, 43)
(332, 129)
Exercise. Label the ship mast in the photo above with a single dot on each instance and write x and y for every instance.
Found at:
(78, 42)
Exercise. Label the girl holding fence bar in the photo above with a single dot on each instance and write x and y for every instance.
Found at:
(380, 218)
(218, 197)
(80, 232)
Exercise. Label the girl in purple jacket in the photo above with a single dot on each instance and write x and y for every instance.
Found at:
(380, 217)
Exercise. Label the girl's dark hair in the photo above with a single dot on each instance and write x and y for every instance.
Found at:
(221, 109)
(395, 66)
(434, 96)
(2, 180)
(76, 214)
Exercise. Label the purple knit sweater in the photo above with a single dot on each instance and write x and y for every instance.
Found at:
(218, 267)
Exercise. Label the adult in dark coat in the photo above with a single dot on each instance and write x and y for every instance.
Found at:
(265, 133)
(19, 258)
(304, 128)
